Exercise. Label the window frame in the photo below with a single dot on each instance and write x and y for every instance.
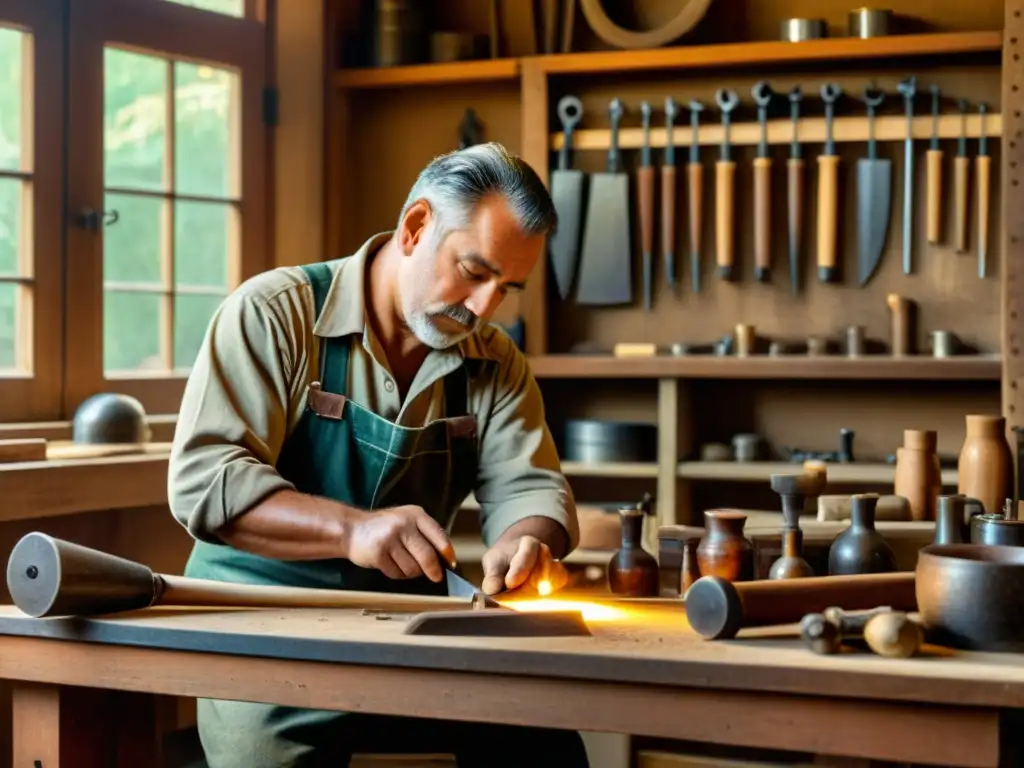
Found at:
(184, 33)
(36, 394)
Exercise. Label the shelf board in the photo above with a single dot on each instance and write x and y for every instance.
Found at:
(609, 469)
(482, 70)
(773, 52)
(877, 367)
(780, 132)
(761, 471)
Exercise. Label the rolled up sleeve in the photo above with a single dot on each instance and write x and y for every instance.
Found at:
(234, 415)
(520, 474)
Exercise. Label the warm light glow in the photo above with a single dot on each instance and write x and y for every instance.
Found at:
(590, 611)
(544, 588)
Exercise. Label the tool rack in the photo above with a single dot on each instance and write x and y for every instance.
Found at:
(675, 391)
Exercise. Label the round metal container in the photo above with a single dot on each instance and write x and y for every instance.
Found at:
(870, 22)
(596, 441)
(798, 30)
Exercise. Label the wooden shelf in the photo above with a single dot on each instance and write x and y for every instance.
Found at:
(810, 131)
(482, 70)
(773, 52)
(761, 471)
(870, 367)
(609, 469)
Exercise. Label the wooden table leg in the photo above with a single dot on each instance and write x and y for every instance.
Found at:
(67, 727)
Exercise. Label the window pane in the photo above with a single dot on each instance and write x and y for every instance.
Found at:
(203, 235)
(131, 331)
(9, 314)
(135, 119)
(131, 246)
(10, 225)
(11, 42)
(205, 102)
(229, 7)
(192, 313)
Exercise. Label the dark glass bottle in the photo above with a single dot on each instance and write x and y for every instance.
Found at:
(633, 571)
(861, 548)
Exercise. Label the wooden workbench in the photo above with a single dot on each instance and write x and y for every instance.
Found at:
(644, 673)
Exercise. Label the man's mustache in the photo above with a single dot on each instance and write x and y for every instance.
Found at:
(459, 314)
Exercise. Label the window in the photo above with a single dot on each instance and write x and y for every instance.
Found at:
(163, 207)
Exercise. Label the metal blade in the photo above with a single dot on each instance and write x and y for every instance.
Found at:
(606, 269)
(874, 209)
(563, 245)
(459, 587)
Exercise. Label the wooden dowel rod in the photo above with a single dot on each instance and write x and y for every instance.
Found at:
(812, 131)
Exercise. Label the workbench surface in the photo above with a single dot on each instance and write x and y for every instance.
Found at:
(641, 646)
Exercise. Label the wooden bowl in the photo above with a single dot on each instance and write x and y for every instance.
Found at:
(970, 596)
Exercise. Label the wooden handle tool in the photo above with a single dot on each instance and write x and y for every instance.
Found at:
(645, 201)
(795, 191)
(762, 94)
(51, 577)
(828, 192)
(719, 609)
(934, 171)
(668, 195)
(695, 194)
(961, 172)
(725, 190)
(888, 633)
(983, 168)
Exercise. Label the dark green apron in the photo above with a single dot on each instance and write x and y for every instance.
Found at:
(342, 451)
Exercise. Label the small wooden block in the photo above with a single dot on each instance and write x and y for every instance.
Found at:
(23, 449)
(635, 350)
(498, 622)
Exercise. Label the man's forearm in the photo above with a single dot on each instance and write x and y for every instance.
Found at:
(289, 525)
(544, 529)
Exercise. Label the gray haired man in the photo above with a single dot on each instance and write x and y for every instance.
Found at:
(338, 415)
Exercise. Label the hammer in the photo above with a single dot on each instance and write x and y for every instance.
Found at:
(888, 633)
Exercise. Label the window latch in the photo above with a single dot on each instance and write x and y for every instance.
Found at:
(91, 220)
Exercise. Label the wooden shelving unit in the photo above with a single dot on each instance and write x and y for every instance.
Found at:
(870, 367)
(482, 71)
(761, 472)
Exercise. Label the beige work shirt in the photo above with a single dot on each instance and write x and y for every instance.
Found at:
(247, 391)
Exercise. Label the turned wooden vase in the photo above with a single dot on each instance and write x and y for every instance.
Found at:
(918, 474)
(985, 466)
(724, 551)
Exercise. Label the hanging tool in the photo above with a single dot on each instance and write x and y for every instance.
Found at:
(762, 95)
(961, 170)
(908, 88)
(983, 164)
(567, 194)
(828, 190)
(725, 188)
(795, 190)
(606, 271)
(874, 196)
(645, 199)
(668, 195)
(695, 193)
(934, 205)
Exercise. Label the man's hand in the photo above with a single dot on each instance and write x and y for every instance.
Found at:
(401, 542)
(513, 562)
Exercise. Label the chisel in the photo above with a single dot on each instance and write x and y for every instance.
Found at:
(695, 193)
(828, 190)
(961, 170)
(645, 199)
(762, 95)
(908, 88)
(983, 165)
(795, 191)
(725, 189)
(934, 204)
(668, 195)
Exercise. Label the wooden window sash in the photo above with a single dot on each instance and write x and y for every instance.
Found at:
(182, 33)
(35, 394)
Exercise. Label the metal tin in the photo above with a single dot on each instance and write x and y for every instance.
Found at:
(592, 441)
(944, 344)
(799, 30)
(746, 447)
(855, 341)
(870, 22)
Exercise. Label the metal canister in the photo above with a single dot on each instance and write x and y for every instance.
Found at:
(870, 22)
(745, 339)
(396, 32)
(944, 344)
(855, 341)
(799, 30)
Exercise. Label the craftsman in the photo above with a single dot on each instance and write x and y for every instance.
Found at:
(337, 416)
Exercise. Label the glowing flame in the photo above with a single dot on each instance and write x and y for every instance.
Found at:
(544, 588)
(590, 611)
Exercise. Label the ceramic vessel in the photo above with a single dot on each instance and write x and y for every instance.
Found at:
(985, 465)
(633, 571)
(860, 548)
(791, 564)
(955, 519)
(918, 474)
(724, 551)
(1006, 529)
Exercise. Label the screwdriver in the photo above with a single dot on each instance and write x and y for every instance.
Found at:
(961, 170)
(934, 166)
